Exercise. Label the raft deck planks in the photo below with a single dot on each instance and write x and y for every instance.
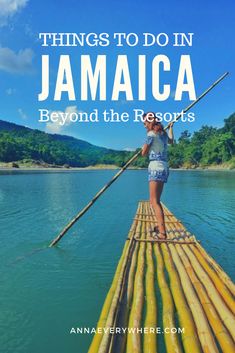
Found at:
(179, 277)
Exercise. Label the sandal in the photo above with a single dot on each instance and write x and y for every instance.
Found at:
(154, 235)
(156, 229)
(163, 237)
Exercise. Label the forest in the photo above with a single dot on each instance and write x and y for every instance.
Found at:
(210, 146)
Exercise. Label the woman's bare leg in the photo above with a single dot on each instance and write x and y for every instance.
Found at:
(155, 191)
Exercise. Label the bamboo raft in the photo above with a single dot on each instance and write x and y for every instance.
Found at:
(168, 285)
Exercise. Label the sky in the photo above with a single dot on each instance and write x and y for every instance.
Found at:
(212, 54)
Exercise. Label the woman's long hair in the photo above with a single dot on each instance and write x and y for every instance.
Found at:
(157, 125)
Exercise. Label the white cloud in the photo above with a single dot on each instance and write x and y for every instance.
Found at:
(10, 91)
(12, 62)
(22, 114)
(28, 30)
(9, 8)
(57, 127)
(129, 149)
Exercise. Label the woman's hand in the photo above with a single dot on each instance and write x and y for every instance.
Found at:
(171, 134)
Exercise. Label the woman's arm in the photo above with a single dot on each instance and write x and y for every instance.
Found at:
(145, 149)
(171, 135)
(148, 142)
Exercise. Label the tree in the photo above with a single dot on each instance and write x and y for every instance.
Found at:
(229, 124)
(185, 136)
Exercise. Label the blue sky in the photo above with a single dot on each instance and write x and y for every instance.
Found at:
(212, 53)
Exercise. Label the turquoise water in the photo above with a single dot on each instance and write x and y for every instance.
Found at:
(44, 293)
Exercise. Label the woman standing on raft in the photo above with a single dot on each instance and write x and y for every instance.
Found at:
(158, 170)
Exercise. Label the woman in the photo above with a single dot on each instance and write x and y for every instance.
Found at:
(158, 171)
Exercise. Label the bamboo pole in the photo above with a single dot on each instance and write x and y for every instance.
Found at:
(220, 331)
(132, 159)
(106, 307)
(220, 272)
(110, 323)
(131, 277)
(179, 278)
(134, 338)
(150, 322)
(94, 199)
(224, 300)
(203, 329)
(190, 339)
(199, 98)
(166, 241)
(118, 342)
(224, 292)
(217, 297)
(94, 347)
(217, 273)
(171, 341)
(214, 294)
(103, 342)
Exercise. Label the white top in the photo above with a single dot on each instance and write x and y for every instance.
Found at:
(158, 145)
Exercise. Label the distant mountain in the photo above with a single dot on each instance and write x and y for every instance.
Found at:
(19, 143)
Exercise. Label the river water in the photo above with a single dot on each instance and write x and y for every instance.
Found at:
(45, 292)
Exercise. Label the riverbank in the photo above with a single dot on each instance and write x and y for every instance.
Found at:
(21, 166)
(41, 165)
(103, 167)
(210, 167)
(44, 166)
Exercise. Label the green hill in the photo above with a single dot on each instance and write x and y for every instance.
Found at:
(19, 143)
(209, 146)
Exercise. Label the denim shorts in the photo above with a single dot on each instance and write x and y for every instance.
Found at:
(158, 171)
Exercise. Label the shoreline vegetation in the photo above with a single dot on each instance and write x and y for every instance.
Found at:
(19, 165)
(209, 148)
